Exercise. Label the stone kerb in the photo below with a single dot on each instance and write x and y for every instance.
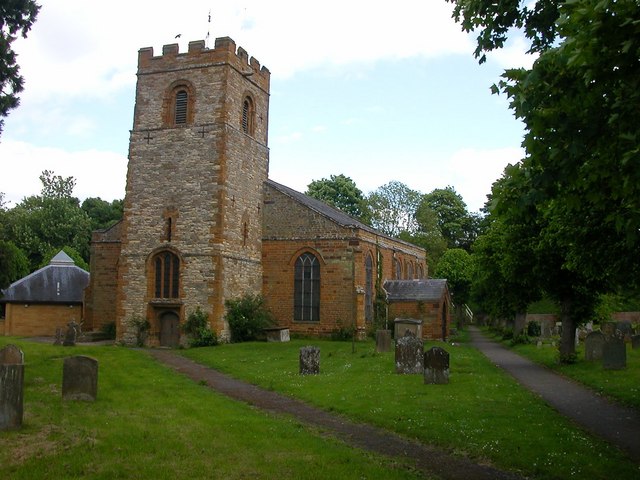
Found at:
(11, 387)
(80, 378)
(436, 366)
(409, 355)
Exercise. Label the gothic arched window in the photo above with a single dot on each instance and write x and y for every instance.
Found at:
(167, 275)
(180, 111)
(247, 116)
(368, 289)
(306, 302)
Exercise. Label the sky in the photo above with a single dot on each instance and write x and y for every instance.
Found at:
(377, 91)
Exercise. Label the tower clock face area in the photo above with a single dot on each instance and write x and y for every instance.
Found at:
(198, 160)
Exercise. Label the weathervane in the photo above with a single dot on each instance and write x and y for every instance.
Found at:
(208, 29)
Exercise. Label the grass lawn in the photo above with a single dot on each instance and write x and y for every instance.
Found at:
(151, 423)
(621, 385)
(482, 413)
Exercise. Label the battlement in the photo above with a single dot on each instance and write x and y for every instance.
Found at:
(224, 51)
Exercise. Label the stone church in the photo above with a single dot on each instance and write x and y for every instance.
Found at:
(203, 223)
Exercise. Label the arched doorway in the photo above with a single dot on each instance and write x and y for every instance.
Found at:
(169, 329)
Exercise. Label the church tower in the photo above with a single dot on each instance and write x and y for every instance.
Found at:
(198, 158)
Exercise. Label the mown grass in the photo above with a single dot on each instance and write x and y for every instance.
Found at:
(482, 413)
(622, 385)
(151, 423)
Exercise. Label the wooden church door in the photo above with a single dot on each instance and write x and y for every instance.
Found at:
(169, 330)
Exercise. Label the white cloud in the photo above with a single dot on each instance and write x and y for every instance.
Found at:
(97, 173)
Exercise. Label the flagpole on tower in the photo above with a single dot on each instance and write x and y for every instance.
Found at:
(208, 29)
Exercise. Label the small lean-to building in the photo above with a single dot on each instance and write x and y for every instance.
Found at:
(46, 299)
(425, 300)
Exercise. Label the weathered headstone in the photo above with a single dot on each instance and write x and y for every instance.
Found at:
(383, 340)
(59, 338)
(409, 355)
(80, 378)
(614, 353)
(309, 361)
(593, 344)
(11, 387)
(635, 342)
(71, 336)
(404, 325)
(436, 366)
(277, 334)
(624, 329)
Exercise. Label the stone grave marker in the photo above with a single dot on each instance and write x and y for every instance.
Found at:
(635, 341)
(80, 378)
(59, 338)
(277, 334)
(614, 353)
(593, 344)
(436, 366)
(309, 360)
(71, 336)
(409, 355)
(383, 340)
(11, 387)
(625, 329)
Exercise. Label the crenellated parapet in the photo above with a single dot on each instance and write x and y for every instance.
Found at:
(225, 51)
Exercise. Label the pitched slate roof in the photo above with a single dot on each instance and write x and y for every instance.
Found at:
(328, 211)
(59, 282)
(426, 290)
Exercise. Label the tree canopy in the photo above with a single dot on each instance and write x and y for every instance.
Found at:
(342, 193)
(393, 208)
(16, 18)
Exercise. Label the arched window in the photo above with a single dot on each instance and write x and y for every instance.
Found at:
(167, 275)
(398, 269)
(247, 116)
(306, 302)
(368, 289)
(180, 117)
(410, 271)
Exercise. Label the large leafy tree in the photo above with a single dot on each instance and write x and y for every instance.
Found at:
(393, 208)
(102, 213)
(456, 266)
(50, 221)
(16, 18)
(579, 104)
(342, 193)
(458, 227)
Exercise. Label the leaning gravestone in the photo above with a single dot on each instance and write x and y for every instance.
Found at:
(383, 340)
(593, 344)
(436, 366)
(409, 355)
(635, 342)
(614, 353)
(80, 378)
(309, 361)
(11, 387)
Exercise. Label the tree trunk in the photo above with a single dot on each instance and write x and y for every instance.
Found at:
(568, 336)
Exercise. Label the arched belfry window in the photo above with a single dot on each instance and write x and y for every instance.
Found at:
(182, 101)
(368, 289)
(247, 116)
(306, 302)
(167, 275)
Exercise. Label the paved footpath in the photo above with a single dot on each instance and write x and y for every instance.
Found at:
(616, 424)
(430, 460)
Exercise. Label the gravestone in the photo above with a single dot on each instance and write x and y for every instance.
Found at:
(593, 344)
(59, 338)
(436, 366)
(11, 387)
(625, 329)
(409, 355)
(404, 325)
(80, 378)
(309, 361)
(71, 336)
(383, 340)
(277, 334)
(635, 342)
(614, 353)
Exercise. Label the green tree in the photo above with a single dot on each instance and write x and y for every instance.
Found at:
(14, 264)
(102, 213)
(48, 222)
(458, 227)
(456, 266)
(342, 193)
(16, 18)
(393, 208)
